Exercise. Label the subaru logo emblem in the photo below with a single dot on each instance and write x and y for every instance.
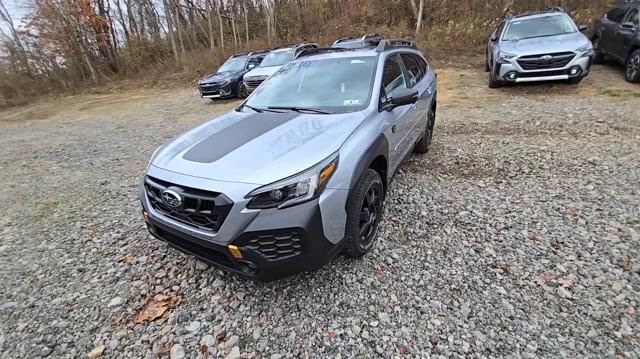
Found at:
(171, 198)
(546, 58)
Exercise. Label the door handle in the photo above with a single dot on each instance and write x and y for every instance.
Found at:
(393, 129)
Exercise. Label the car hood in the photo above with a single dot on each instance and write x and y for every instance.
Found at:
(256, 148)
(218, 76)
(263, 71)
(544, 45)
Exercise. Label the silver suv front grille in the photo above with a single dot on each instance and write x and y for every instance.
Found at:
(546, 61)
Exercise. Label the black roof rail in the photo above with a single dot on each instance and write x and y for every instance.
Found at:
(259, 52)
(240, 54)
(549, 10)
(372, 36)
(294, 45)
(389, 44)
(321, 50)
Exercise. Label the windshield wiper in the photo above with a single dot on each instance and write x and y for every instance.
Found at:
(300, 109)
(258, 110)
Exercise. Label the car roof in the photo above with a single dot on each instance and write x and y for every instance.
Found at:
(335, 53)
(535, 16)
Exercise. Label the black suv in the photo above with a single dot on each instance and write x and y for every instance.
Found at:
(616, 36)
(354, 42)
(227, 81)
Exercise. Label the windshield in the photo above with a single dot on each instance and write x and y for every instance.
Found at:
(308, 84)
(539, 27)
(277, 58)
(233, 65)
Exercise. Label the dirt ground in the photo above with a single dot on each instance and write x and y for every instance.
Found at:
(517, 235)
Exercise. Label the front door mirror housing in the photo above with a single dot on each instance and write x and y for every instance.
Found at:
(494, 37)
(400, 97)
(583, 28)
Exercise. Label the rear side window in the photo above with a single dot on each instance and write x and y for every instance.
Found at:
(632, 17)
(616, 14)
(423, 64)
(414, 74)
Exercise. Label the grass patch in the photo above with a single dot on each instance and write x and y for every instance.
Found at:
(622, 93)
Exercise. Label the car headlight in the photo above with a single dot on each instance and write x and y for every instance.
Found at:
(585, 48)
(224, 82)
(504, 56)
(294, 190)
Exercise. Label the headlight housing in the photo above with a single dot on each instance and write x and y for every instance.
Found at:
(586, 49)
(504, 56)
(224, 82)
(294, 190)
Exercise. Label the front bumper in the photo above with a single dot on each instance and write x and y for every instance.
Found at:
(251, 84)
(511, 71)
(274, 244)
(215, 92)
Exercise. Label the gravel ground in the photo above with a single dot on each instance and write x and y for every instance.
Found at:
(518, 235)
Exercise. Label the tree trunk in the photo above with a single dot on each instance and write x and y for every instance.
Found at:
(210, 25)
(179, 28)
(172, 37)
(221, 27)
(233, 28)
(419, 21)
(246, 22)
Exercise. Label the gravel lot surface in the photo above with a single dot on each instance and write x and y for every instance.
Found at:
(518, 235)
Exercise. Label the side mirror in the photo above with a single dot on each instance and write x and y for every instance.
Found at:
(494, 37)
(583, 28)
(400, 97)
(628, 26)
(250, 66)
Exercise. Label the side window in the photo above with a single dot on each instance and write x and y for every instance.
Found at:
(633, 17)
(392, 77)
(253, 62)
(414, 74)
(424, 67)
(500, 29)
(616, 14)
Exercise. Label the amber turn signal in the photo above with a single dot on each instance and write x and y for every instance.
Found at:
(235, 252)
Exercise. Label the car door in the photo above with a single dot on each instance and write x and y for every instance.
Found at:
(419, 79)
(625, 35)
(609, 30)
(399, 120)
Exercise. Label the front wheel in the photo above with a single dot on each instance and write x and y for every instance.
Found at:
(632, 68)
(242, 90)
(493, 83)
(364, 212)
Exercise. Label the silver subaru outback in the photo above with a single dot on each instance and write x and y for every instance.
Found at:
(298, 172)
(542, 46)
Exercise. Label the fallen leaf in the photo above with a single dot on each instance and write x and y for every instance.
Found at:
(119, 319)
(573, 210)
(402, 349)
(556, 246)
(128, 258)
(96, 352)
(545, 278)
(504, 267)
(380, 270)
(221, 335)
(157, 307)
(566, 282)
(332, 334)
(204, 348)
(631, 311)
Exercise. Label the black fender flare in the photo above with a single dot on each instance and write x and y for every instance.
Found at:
(380, 147)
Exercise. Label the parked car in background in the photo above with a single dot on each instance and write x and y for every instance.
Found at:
(227, 81)
(298, 172)
(541, 46)
(354, 42)
(616, 36)
(273, 62)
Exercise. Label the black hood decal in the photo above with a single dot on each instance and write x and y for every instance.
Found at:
(230, 138)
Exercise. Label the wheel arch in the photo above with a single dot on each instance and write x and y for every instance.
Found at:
(376, 158)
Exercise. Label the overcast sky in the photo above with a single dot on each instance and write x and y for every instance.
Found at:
(17, 8)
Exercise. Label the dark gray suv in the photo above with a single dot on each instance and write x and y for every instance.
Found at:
(616, 36)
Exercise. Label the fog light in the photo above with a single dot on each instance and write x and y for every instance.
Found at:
(145, 215)
(235, 252)
(512, 75)
(574, 71)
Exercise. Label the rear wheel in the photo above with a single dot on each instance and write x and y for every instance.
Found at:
(598, 56)
(632, 68)
(425, 142)
(364, 212)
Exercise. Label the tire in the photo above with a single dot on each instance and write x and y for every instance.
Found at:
(486, 63)
(362, 222)
(598, 57)
(493, 83)
(425, 142)
(632, 67)
(241, 91)
(575, 80)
